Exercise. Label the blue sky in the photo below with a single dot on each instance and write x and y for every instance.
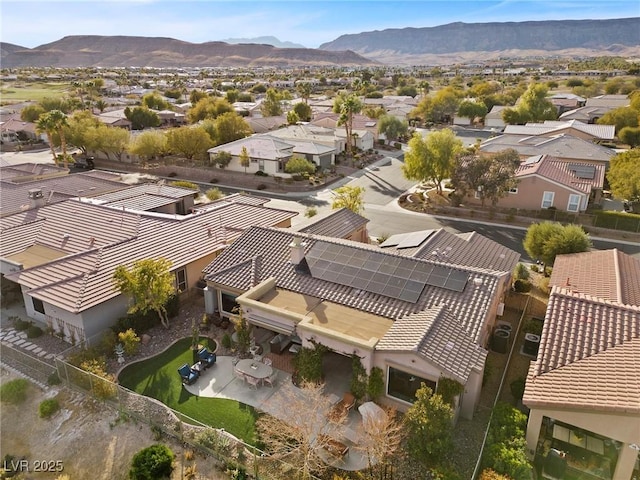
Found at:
(31, 23)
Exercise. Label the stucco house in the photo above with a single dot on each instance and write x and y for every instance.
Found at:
(545, 181)
(63, 255)
(583, 389)
(493, 119)
(576, 128)
(420, 306)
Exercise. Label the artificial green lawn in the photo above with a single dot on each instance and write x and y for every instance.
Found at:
(158, 377)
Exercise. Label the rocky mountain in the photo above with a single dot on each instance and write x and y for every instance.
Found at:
(463, 42)
(265, 40)
(125, 51)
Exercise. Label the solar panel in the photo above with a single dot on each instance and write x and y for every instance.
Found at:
(374, 272)
(532, 160)
(588, 172)
(415, 239)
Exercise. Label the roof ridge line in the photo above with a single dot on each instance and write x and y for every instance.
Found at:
(616, 270)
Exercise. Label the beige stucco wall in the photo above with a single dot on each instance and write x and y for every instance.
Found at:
(624, 428)
(530, 193)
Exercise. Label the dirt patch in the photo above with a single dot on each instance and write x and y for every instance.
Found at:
(90, 439)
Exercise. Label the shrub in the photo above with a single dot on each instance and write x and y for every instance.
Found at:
(214, 194)
(533, 326)
(522, 286)
(375, 388)
(535, 268)
(152, 463)
(130, 341)
(34, 331)
(53, 379)
(21, 325)
(311, 212)
(48, 407)
(517, 388)
(261, 186)
(14, 391)
(547, 271)
(103, 387)
(544, 285)
(521, 272)
(214, 180)
(226, 341)
(260, 173)
(172, 175)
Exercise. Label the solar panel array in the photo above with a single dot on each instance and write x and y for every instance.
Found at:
(588, 172)
(394, 277)
(407, 240)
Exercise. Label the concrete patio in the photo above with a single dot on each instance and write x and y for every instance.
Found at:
(219, 381)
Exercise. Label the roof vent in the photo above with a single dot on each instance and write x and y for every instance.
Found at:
(477, 281)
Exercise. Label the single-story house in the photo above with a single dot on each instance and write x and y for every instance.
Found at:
(64, 255)
(583, 389)
(420, 308)
(493, 119)
(548, 182)
(562, 146)
(13, 130)
(576, 128)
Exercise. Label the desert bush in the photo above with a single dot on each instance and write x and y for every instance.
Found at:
(226, 341)
(103, 387)
(172, 174)
(311, 212)
(517, 388)
(521, 272)
(53, 379)
(214, 194)
(130, 341)
(21, 325)
(522, 286)
(261, 186)
(260, 173)
(152, 463)
(535, 268)
(48, 407)
(34, 331)
(14, 391)
(185, 184)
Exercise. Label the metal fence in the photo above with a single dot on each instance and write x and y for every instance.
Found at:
(30, 365)
(226, 449)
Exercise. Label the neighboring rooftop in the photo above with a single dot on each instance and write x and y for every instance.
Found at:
(335, 223)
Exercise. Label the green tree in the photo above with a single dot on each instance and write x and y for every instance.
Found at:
(491, 176)
(506, 445)
(271, 106)
(407, 90)
(347, 106)
(299, 165)
(196, 95)
(208, 107)
(620, 117)
(546, 240)
(292, 117)
(532, 107)
(109, 140)
(80, 130)
(222, 159)
(304, 89)
(149, 283)
(54, 121)
(229, 127)
(624, 175)
(152, 463)
(101, 105)
(141, 117)
(189, 141)
(245, 159)
(303, 111)
(349, 197)
(630, 136)
(232, 95)
(155, 101)
(431, 158)
(392, 127)
(472, 109)
(429, 424)
(444, 105)
(31, 113)
(149, 145)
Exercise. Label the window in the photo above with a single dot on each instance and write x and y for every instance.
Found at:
(229, 303)
(547, 199)
(403, 385)
(38, 306)
(261, 164)
(181, 279)
(513, 190)
(574, 203)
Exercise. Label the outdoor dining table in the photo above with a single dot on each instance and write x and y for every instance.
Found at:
(254, 369)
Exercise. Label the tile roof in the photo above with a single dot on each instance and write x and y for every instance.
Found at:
(611, 275)
(15, 173)
(468, 249)
(590, 343)
(437, 336)
(549, 127)
(232, 269)
(98, 238)
(336, 223)
(561, 146)
(259, 146)
(560, 172)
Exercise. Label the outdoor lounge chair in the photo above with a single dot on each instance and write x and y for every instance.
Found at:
(188, 374)
(206, 357)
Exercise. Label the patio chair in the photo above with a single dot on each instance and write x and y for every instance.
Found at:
(252, 381)
(206, 357)
(188, 374)
(271, 379)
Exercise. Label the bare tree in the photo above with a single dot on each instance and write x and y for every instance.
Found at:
(380, 439)
(301, 431)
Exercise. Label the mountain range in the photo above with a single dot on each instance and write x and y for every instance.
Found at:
(446, 44)
(269, 40)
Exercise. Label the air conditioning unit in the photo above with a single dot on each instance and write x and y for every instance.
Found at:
(500, 310)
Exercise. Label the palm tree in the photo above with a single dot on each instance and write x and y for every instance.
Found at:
(350, 107)
(52, 122)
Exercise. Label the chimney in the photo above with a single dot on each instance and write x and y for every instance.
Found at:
(36, 198)
(297, 251)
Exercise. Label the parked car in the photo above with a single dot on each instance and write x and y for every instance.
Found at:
(85, 163)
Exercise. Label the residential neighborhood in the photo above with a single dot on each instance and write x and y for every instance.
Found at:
(326, 272)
